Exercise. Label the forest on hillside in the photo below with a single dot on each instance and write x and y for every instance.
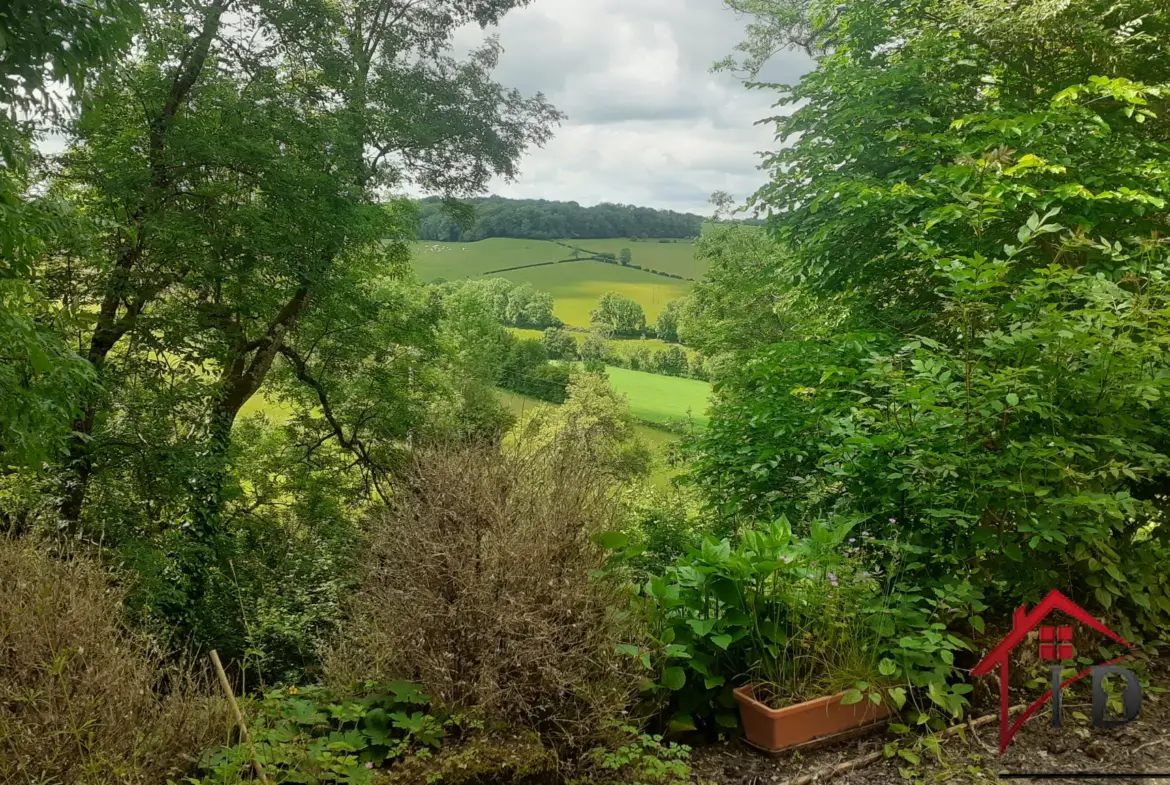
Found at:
(539, 219)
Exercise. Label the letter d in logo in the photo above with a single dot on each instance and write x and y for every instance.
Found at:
(1131, 699)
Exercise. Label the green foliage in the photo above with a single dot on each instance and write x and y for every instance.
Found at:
(46, 41)
(776, 25)
(619, 315)
(644, 760)
(547, 220)
(41, 379)
(667, 325)
(316, 735)
(740, 304)
(980, 211)
(595, 348)
(955, 131)
(516, 305)
(526, 370)
(559, 344)
(214, 232)
(662, 525)
(625, 256)
(790, 613)
(595, 419)
(671, 361)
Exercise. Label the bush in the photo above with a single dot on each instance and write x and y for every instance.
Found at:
(662, 524)
(526, 370)
(479, 585)
(594, 424)
(81, 698)
(560, 344)
(318, 735)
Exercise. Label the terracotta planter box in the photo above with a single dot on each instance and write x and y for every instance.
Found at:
(773, 730)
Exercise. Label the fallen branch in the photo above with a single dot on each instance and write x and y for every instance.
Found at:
(828, 772)
(227, 688)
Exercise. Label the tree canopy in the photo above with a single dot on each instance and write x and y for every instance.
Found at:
(538, 219)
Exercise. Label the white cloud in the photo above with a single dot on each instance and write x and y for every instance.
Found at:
(647, 123)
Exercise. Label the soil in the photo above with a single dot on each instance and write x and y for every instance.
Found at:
(1142, 746)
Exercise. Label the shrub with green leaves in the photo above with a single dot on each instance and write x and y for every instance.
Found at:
(315, 735)
(991, 226)
(643, 759)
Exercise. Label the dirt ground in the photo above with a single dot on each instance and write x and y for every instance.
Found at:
(1142, 746)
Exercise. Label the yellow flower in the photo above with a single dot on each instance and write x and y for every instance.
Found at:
(293, 691)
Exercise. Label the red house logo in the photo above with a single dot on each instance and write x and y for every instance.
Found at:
(1056, 644)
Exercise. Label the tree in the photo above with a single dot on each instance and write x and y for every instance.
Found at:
(231, 172)
(626, 257)
(546, 220)
(777, 25)
(742, 301)
(41, 378)
(667, 325)
(641, 359)
(618, 315)
(341, 144)
(517, 305)
(671, 361)
(560, 344)
(527, 370)
(478, 345)
(595, 352)
(593, 418)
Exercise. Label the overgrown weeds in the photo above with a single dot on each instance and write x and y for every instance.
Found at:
(82, 699)
(485, 586)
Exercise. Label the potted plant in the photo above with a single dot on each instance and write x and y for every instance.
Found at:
(816, 675)
(777, 626)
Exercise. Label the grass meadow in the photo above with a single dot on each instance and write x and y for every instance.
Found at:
(673, 257)
(453, 261)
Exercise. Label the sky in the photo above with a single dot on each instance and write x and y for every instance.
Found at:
(648, 124)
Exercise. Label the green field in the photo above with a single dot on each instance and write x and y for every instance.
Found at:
(660, 398)
(452, 261)
(674, 257)
(575, 286)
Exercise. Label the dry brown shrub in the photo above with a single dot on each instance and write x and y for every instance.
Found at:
(481, 586)
(82, 699)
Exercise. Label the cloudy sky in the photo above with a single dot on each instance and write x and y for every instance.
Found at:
(647, 123)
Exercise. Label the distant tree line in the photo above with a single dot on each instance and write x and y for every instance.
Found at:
(596, 352)
(538, 219)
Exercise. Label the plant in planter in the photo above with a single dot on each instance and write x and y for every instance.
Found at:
(774, 624)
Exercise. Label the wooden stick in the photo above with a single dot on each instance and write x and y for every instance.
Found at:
(227, 688)
(828, 772)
